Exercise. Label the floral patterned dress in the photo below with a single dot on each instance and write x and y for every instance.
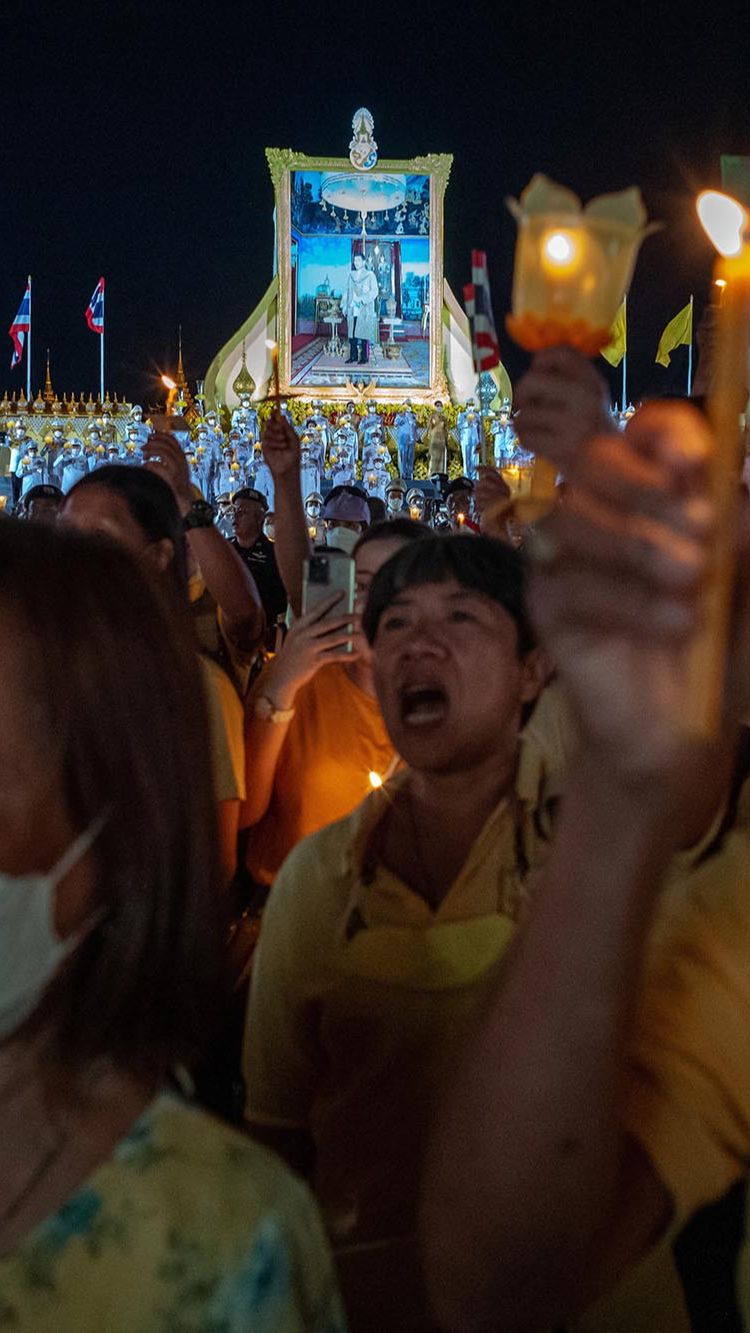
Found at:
(187, 1228)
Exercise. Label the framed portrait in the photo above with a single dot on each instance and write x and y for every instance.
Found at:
(359, 257)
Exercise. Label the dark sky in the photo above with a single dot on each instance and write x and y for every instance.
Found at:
(133, 138)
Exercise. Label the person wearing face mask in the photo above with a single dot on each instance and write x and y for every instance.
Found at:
(122, 1206)
(395, 498)
(346, 515)
(314, 731)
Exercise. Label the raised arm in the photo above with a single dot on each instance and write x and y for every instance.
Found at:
(281, 451)
(535, 1200)
(315, 640)
(226, 576)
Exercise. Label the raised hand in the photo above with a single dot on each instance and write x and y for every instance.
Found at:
(615, 593)
(163, 455)
(316, 639)
(281, 448)
(561, 402)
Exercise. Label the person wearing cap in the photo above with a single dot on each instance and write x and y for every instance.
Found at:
(395, 497)
(70, 464)
(309, 466)
(253, 547)
(314, 517)
(406, 440)
(31, 469)
(343, 456)
(42, 503)
(346, 515)
(224, 520)
(459, 496)
(259, 474)
(469, 438)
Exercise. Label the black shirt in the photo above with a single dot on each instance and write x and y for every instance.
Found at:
(261, 561)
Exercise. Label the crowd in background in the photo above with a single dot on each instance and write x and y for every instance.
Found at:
(378, 966)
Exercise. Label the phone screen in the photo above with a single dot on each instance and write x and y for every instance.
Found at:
(326, 573)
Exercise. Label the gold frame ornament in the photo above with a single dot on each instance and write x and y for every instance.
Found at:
(436, 166)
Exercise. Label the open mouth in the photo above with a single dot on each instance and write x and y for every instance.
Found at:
(423, 705)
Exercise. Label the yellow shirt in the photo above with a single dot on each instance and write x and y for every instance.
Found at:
(227, 733)
(335, 739)
(687, 1098)
(187, 1226)
(358, 989)
(209, 623)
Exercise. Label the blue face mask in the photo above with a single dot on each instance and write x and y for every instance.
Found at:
(30, 950)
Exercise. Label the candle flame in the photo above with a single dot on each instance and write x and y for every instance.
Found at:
(375, 780)
(167, 382)
(560, 249)
(271, 345)
(723, 220)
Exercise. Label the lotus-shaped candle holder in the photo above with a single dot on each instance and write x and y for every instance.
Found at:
(573, 265)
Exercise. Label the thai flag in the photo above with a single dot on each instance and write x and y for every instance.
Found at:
(484, 345)
(21, 326)
(95, 309)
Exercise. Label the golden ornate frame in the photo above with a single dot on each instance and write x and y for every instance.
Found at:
(281, 163)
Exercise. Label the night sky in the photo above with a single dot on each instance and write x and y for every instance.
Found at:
(134, 134)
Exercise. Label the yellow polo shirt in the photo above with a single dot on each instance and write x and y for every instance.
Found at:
(226, 722)
(358, 989)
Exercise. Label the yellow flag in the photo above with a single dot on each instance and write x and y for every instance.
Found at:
(678, 333)
(618, 338)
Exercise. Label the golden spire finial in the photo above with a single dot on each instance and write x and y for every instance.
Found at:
(49, 393)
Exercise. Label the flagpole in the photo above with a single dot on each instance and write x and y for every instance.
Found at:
(101, 357)
(28, 351)
(690, 351)
(625, 354)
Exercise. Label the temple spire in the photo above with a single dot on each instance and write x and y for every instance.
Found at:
(49, 393)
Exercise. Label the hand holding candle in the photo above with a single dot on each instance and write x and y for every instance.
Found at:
(273, 348)
(572, 266)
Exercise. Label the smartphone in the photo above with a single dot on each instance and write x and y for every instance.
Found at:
(326, 573)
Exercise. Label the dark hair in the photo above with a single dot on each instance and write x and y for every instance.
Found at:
(402, 529)
(458, 486)
(482, 564)
(378, 509)
(118, 699)
(152, 505)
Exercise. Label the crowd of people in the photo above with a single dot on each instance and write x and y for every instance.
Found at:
(377, 966)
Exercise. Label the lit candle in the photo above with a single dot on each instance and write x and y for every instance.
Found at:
(726, 223)
(171, 394)
(460, 518)
(375, 779)
(572, 266)
(414, 512)
(273, 348)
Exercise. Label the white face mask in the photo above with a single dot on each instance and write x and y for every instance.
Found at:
(344, 538)
(30, 951)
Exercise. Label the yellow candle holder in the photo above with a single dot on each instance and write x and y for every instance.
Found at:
(573, 265)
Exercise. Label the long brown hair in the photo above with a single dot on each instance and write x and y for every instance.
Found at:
(115, 692)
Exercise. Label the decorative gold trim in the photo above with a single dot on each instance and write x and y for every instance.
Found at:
(264, 306)
(437, 166)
